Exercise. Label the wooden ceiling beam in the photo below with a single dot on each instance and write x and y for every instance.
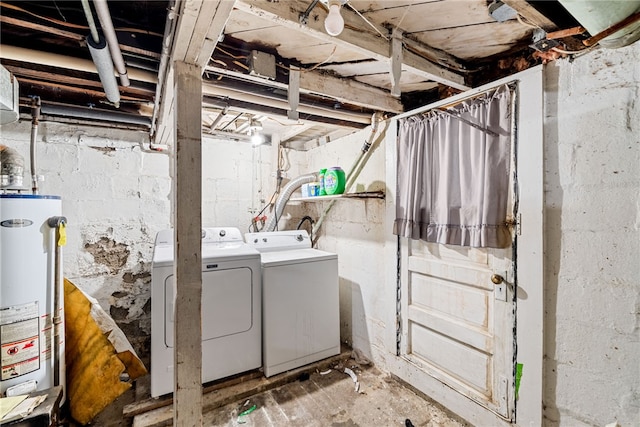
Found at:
(353, 37)
(531, 14)
(198, 29)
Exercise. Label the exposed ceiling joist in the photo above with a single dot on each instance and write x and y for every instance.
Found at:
(531, 14)
(200, 24)
(323, 84)
(352, 38)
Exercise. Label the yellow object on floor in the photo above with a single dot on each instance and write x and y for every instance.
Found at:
(93, 363)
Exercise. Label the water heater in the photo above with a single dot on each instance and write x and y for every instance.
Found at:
(31, 328)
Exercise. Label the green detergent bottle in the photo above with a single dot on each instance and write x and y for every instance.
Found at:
(321, 181)
(334, 181)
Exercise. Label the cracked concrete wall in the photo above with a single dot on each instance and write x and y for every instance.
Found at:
(592, 239)
(116, 197)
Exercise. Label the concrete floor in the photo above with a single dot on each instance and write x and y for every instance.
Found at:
(331, 400)
(303, 397)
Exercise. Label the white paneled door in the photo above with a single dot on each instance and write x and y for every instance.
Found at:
(455, 329)
(457, 324)
(457, 318)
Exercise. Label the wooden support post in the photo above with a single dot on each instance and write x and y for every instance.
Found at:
(187, 267)
(294, 93)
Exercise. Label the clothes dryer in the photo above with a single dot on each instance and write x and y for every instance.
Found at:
(301, 319)
(231, 307)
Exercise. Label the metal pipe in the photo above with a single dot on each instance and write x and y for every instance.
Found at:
(56, 222)
(219, 117)
(356, 168)
(283, 198)
(90, 21)
(274, 101)
(35, 117)
(169, 30)
(102, 9)
(87, 113)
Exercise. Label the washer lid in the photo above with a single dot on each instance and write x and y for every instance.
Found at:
(296, 256)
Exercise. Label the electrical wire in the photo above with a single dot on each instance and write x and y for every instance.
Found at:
(526, 24)
(403, 16)
(273, 196)
(574, 53)
(367, 21)
(76, 26)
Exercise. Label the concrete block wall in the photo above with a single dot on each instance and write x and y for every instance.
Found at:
(353, 228)
(116, 197)
(592, 239)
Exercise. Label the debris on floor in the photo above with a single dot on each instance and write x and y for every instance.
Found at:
(354, 377)
(243, 414)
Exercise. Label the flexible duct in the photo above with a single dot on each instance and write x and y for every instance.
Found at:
(11, 167)
(102, 58)
(102, 9)
(283, 198)
(597, 16)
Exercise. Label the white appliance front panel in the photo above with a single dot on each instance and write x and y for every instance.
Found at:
(226, 304)
(301, 314)
(223, 356)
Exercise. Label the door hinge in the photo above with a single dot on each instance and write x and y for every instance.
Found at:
(516, 224)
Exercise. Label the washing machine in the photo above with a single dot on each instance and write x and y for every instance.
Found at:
(300, 308)
(231, 307)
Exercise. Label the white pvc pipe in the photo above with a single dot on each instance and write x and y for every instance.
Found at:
(54, 60)
(92, 24)
(102, 9)
(102, 60)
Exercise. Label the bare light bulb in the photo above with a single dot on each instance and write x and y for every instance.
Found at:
(256, 139)
(334, 24)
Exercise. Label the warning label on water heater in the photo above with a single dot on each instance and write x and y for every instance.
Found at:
(19, 340)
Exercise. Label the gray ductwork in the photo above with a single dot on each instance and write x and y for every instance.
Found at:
(283, 198)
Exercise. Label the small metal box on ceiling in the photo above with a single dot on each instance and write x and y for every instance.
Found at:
(262, 64)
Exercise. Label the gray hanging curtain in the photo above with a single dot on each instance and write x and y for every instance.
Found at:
(453, 173)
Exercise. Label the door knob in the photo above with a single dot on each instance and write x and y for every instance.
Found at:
(497, 279)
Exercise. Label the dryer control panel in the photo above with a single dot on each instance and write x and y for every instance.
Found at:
(279, 240)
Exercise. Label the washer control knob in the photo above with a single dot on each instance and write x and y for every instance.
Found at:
(264, 239)
(222, 233)
(203, 233)
(255, 240)
(299, 238)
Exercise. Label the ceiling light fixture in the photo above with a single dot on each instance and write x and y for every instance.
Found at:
(334, 23)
